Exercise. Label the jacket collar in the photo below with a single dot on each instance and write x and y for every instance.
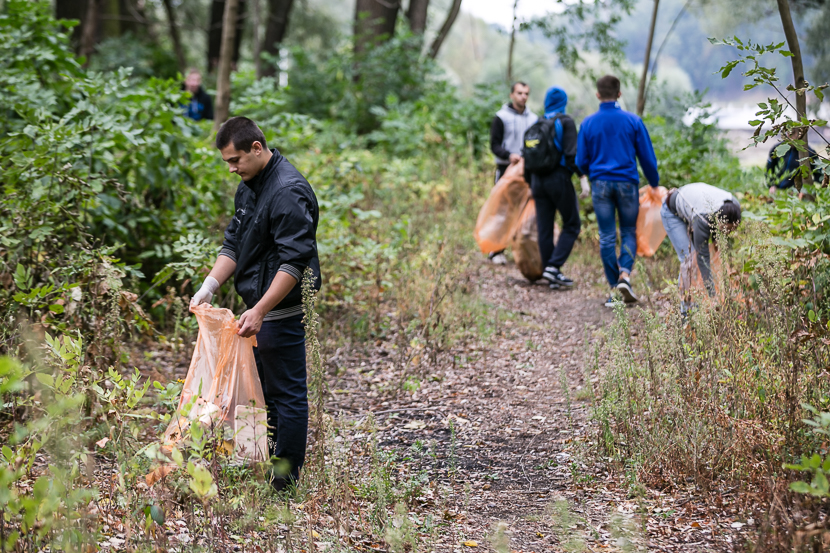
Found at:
(260, 180)
(609, 105)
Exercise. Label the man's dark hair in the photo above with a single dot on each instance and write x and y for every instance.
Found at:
(729, 212)
(242, 132)
(608, 87)
(513, 87)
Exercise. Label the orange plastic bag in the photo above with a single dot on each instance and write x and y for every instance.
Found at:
(222, 388)
(500, 213)
(525, 243)
(650, 231)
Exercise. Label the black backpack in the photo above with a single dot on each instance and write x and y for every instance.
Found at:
(540, 153)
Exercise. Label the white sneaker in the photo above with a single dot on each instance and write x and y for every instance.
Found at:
(498, 259)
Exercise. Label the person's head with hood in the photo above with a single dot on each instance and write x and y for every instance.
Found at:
(556, 100)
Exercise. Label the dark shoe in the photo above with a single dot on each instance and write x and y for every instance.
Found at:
(624, 288)
(497, 258)
(554, 276)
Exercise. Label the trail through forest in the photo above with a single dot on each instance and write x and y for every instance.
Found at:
(521, 450)
(493, 439)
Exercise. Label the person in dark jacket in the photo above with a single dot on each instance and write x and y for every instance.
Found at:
(200, 106)
(269, 244)
(781, 170)
(507, 136)
(555, 192)
(611, 142)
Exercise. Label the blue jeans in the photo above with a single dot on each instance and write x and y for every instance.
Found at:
(610, 198)
(678, 232)
(281, 364)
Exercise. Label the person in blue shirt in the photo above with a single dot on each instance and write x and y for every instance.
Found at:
(554, 192)
(610, 143)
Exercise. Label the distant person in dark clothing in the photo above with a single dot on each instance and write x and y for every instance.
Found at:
(507, 136)
(200, 106)
(781, 170)
(554, 192)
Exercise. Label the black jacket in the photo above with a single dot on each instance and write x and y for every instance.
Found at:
(200, 106)
(274, 229)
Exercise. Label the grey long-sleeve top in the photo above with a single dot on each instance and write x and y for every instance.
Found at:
(696, 203)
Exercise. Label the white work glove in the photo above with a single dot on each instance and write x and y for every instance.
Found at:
(205, 293)
(586, 187)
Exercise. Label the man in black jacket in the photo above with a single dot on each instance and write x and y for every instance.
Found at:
(200, 106)
(554, 192)
(268, 245)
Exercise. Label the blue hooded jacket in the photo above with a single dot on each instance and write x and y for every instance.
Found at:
(556, 101)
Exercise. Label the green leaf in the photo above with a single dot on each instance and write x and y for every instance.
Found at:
(176, 455)
(820, 484)
(45, 379)
(8, 453)
(800, 487)
(157, 514)
(56, 308)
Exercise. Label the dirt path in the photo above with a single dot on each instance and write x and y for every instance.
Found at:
(503, 430)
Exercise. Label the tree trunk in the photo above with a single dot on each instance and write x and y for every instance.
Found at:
(512, 43)
(216, 31)
(641, 92)
(73, 9)
(88, 31)
(174, 34)
(800, 83)
(279, 12)
(416, 14)
(223, 79)
(257, 43)
(374, 21)
(445, 29)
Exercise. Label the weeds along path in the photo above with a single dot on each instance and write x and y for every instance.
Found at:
(501, 430)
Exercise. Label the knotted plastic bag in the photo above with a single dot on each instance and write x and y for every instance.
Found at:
(525, 242)
(500, 213)
(222, 389)
(650, 231)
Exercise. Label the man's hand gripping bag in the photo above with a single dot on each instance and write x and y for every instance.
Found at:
(500, 213)
(222, 389)
(650, 231)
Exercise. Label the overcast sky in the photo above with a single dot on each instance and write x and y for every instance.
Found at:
(501, 11)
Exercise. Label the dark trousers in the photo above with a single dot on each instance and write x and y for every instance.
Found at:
(552, 193)
(500, 169)
(281, 364)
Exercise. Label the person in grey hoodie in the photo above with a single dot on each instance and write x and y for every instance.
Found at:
(691, 215)
(507, 134)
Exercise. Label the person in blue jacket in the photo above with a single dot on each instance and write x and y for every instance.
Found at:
(609, 145)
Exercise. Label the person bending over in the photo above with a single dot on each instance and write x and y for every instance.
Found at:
(268, 245)
(691, 215)
(610, 143)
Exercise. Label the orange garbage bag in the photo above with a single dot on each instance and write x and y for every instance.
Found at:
(650, 231)
(500, 213)
(525, 243)
(222, 389)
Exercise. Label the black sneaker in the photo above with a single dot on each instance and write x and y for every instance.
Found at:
(624, 288)
(554, 276)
